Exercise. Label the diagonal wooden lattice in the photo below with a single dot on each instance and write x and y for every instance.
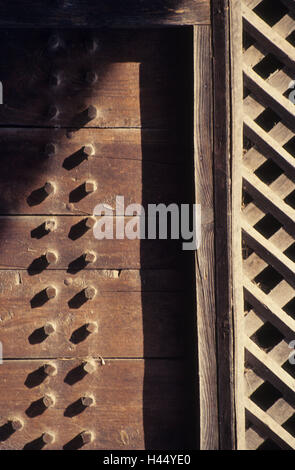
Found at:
(268, 223)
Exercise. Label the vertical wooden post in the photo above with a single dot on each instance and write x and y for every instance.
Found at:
(205, 259)
(227, 146)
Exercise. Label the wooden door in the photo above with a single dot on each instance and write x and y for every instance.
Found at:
(98, 335)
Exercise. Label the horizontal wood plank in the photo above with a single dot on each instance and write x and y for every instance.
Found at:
(112, 14)
(51, 80)
(138, 404)
(25, 243)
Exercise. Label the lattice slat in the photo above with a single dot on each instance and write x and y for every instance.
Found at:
(268, 223)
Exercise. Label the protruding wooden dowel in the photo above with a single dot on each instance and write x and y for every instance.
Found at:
(89, 367)
(91, 327)
(90, 77)
(51, 257)
(48, 437)
(50, 225)
(49, 188)
(87, 437)
(90, 222)
(50, 369)
(90, 292)
(90, 187)
(49, 328)
(16, 423)
(87, 401)
(53, 111)
(91, 112)
(50, 149)
(88, 150)
(89, 256)
(48, 400)
(51, 292)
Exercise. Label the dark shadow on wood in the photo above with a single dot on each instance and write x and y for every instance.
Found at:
(75, 375)
(36, 408)
(38, 336)
(35, 378)
(74, 409)
(36, 444)
(79, 335)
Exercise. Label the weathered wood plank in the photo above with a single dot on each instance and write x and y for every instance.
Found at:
(25, 242)
(112, 14)
(139, 404)
(226, 23)
(23, 188)
(206, 316)
(136, 314)
(130, 78)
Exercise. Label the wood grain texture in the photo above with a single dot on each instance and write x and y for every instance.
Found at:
(205, 260)
(112, 14)
(137, 314)
(129, 405)
(132, 83)
(24, 243)
(226, 27)
(236, 59)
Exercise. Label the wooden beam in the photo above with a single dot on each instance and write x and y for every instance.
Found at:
(103, 13)
(205, 260)
(227, 77)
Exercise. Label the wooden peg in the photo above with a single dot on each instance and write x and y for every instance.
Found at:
(87, 437)
(51, 257)
(49, 328)
(90, 77)
(51, 292)
(50, 149)
(90, 187)
(16, 423)
(50, 225)
(91, 327)
(91, 112)
(89, 367)
(48, 437)
(53, 112)
(88, 150)
(90, 292)
(89, 257)
(50, 369)
(91, 45)
(55, 80)
(90, 222)
(54, 42)
(87, 401)
(49, 188)
(48, 400)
